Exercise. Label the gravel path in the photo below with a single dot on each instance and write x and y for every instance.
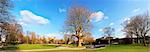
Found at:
(58, 48)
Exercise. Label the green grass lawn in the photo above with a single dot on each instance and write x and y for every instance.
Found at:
(126, 48)
(35, 46)
(112, 48)
(28, 47)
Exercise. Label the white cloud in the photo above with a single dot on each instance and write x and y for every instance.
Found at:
(98, 16)
(62, 10)
(126, 18)
(27, 17)
(136, 10)
(22, 23)
(101, 30)
(111, 24)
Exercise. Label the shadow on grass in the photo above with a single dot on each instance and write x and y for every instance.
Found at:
(9, 48)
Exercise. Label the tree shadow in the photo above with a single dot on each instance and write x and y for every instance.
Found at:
(9, 48)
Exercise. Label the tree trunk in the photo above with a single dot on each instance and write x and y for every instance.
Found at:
(132, 40)
(138, 40)
(67, 42)
(80, 40)
(144, 41)
(109, 41)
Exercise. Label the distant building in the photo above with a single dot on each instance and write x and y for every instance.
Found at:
(121, 40)
(103, 40)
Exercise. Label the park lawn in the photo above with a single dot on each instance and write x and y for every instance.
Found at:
(34, 46)
(112, 48)
(28, 47)
(126, 48)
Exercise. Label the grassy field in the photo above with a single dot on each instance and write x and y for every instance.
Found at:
(112, 48)
(29, 47)
(34, 46)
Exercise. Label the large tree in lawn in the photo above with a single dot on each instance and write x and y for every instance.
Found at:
(9, 28)
(78, 22)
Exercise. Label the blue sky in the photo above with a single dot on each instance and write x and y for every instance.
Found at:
(46, 17)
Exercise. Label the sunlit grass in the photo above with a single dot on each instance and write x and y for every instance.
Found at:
(112, 48)
(34, 46)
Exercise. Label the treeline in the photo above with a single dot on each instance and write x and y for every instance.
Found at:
(33, 38)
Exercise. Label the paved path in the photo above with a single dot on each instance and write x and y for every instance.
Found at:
(58, 48)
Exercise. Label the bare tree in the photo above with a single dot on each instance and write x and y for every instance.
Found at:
(33, 37)
(9, 28)
(21, 38)
(139, 26)
(67, 38)
(27, 39)
(12, 31)
(78, 22)
(88, 39)
(109, 32)
(128, 32)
